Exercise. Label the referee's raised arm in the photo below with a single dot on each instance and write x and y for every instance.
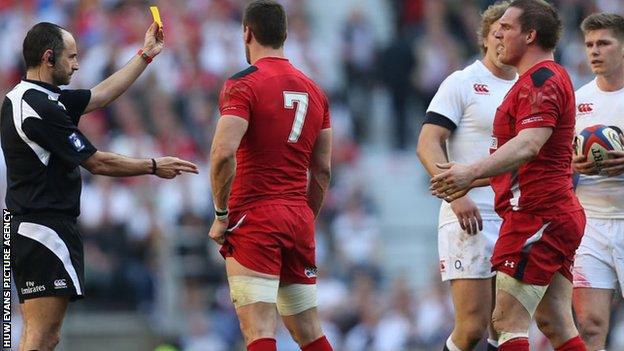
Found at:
(115, 85)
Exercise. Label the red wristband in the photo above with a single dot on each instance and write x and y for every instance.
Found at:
(144, 56)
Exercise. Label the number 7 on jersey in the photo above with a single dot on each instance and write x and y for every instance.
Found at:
(290, 97)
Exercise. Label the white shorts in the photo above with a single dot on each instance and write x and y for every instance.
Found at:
(464, 256)
(599, 261)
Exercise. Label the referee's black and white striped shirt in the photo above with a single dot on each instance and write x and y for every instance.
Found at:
(43, 148)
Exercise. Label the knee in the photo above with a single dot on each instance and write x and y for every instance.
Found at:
(44, 338)
(547, 326)
(257, 331)
(592, 325)
(471, 330)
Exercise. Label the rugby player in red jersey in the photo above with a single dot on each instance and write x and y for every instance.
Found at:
(530, 172)
(270, 169)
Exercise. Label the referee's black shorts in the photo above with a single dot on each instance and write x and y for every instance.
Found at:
(47, 256)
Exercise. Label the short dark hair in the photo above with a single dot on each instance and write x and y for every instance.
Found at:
(604, 20)
(267, 21)
(41, 37)
(542, 17)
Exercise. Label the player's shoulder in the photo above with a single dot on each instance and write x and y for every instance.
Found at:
(246, 73)
(587, 89)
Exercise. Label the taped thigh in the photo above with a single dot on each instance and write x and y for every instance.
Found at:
(245, 290)
(528, 295)
(295, 298)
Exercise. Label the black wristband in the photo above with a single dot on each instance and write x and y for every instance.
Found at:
(221, 213)
(153, 166)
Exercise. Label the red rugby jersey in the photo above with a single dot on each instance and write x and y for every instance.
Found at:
(542, 97)
(286, 111)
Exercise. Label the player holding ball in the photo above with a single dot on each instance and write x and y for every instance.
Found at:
(598, 266)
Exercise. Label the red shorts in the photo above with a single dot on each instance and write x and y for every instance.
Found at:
(274, 239)
(532, 249)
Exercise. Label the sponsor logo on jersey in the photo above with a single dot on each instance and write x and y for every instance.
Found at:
(532, 120)
(76, 142)
(584, 108)
(60, 284)
(510, 264)
(481, 89)
(458, 265)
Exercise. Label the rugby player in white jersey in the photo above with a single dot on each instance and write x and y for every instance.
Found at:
(458, 127)
(599, 264)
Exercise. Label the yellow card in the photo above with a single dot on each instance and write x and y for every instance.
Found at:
(156, 15)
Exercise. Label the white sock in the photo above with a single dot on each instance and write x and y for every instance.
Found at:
(451, 346)
(492, 342)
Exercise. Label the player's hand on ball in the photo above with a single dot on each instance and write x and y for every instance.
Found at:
(614, 165)
(581, 165)
(218, 230)
(169, 167)
(468, 215)
(154, 40)
(456, 178)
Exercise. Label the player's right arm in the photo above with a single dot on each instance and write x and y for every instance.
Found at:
(320, 171)
(431, 151)
(443, 115)
(115, 165)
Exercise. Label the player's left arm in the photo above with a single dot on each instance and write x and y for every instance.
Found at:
(614, 165)
(320, 170)
(115, 85)
(519, 150)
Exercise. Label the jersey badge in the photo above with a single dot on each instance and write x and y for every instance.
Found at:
(481, 89)
(585, 108)
(76, 142)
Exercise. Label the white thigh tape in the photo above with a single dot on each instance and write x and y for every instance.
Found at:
(245, 290)
(295, 298)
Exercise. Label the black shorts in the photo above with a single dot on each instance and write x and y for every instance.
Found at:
(47, 256)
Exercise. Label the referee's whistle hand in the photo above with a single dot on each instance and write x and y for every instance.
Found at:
(170, 167)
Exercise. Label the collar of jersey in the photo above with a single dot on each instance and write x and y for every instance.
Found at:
(272, 58)
(50, 89)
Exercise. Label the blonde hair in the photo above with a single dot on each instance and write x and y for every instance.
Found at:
(492, 14)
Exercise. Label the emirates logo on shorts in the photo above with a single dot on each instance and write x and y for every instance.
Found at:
(310, 272)
(481, 89)
(585, 107)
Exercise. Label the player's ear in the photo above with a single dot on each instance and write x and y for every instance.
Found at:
(531, 36)
(247, 34)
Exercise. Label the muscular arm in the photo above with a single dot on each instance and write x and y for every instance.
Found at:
(228, 135)
(115, 165)
(320, 171)
(115, 85)
(522, 148)
(519, 150)
(431, 147)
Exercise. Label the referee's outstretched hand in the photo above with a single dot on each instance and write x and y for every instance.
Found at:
(154, 40)
(169, 167)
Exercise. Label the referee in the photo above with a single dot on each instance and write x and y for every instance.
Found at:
(43, 148)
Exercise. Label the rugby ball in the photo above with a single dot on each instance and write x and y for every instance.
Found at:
(595, 141)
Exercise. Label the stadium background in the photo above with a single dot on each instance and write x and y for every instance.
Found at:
(151, 276)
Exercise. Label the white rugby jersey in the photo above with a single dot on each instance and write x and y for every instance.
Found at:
(602, 197)
(469, 98)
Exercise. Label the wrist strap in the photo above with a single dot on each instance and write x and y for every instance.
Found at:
(154, 167)
(221, 214)
(144, 56)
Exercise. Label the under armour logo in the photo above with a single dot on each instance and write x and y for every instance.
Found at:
(510, 264)
(585, 107)
(481, 89)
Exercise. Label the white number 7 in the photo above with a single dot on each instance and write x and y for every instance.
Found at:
(290, 97)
